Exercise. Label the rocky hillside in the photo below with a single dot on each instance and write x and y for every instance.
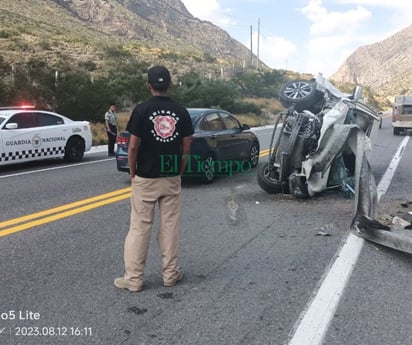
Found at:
(385, 66)
(89, 30)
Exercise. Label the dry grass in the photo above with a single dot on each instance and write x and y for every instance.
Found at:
(269, 106)
(99, 131)
(100, 136)
(250, 119)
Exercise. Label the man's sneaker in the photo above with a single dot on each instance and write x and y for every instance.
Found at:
(122, 283)
(175, 281)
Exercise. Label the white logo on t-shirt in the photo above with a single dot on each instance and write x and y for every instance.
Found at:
(164, 125)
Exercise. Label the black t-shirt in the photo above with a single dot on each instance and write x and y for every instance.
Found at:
(161, 124)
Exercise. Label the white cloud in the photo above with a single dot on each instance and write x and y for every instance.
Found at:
(382, 3)
(398, 11)
(325, 53)
(274, 51)
(327, 22)
(334, 35)
(209, 10)
(336, 29)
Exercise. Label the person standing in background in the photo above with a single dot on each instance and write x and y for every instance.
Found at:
(110, 120)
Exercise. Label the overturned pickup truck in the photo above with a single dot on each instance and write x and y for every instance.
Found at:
(316, 141)
(323, 141)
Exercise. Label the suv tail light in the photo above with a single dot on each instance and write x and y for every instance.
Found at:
(122, 140)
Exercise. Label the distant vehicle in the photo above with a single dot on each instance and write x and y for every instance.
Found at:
(28, 134)
(316, 140)
(220, 146)
(402, 114)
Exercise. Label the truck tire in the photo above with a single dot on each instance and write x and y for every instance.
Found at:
(269, 184)
(301, 93)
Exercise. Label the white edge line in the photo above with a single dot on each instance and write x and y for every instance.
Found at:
(94, 149)
(314, 322)
(387, 177)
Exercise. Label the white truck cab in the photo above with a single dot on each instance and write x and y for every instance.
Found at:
(402, 115)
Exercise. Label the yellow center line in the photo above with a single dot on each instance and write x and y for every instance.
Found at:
(61, 215)
(62, 208)
(29, 221)
(264, 152)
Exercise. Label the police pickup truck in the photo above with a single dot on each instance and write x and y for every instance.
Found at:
(27, 134)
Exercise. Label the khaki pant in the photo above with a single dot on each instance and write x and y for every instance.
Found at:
(146, 193)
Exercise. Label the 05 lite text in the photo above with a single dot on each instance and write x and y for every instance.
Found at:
(19, 315)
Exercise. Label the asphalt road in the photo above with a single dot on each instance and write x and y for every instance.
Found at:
(252, 261)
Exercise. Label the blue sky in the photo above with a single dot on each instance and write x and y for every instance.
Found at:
(308, 36)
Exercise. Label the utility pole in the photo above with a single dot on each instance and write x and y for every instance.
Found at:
(251, 45)
(258, 40)
(13, 73)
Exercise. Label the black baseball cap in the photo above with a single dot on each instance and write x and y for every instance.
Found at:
(158, 76)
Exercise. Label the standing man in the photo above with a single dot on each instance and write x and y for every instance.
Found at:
(160, 136)
(110, 120)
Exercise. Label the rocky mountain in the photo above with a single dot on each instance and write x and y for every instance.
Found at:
(384, 66)
(89, 30)
(95, 33)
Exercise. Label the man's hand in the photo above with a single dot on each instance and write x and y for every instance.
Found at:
(185, 153)
(132, 154)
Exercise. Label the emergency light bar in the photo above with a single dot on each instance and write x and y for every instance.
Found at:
(23, 107)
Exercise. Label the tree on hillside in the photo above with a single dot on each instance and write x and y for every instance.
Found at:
(128, 83)
(186, 90)
(81, 98)
(260, 84)
(193, 91)
(219, 93)
(4, 85)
